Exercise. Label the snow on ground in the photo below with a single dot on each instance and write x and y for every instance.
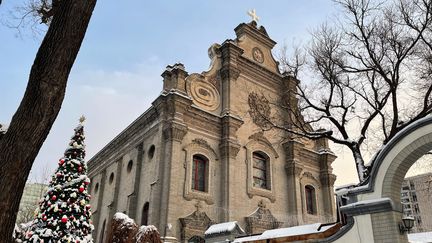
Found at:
(420, 237)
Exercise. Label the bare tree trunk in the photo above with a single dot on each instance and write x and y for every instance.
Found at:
(40, 105)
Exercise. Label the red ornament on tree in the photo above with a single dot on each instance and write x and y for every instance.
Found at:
(81, 189)
(80, 169)
(54, 197)
(64, 219)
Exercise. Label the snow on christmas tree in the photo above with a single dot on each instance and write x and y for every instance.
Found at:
(64, 212)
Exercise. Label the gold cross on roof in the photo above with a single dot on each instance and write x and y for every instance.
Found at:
(253, 15)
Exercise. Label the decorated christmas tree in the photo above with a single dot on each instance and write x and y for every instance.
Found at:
(64, 213)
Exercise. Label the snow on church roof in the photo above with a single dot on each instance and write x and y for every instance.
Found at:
(285, 232)
(223, 228)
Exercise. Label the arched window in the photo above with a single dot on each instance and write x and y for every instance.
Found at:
(102, 233)
(199, 173)
(144, 215)
(310, 199)
(260, 171)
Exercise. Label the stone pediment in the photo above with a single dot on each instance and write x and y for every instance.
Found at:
(195, 224)
(261, 220)
(197, 220)
(257, 45)
(259, 137)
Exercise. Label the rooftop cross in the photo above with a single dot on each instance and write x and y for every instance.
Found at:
(253, 15)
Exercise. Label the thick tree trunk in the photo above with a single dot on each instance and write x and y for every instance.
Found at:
(40, 105)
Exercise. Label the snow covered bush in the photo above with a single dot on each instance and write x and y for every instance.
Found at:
(125, 230)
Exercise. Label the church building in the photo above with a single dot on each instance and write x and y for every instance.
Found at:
(204, 152)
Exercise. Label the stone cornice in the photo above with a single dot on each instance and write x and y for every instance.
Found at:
(369, 207)
(174, 131)
(143, 121)
(259, 34)
(260, 73)
(101, 162)
(203, 120)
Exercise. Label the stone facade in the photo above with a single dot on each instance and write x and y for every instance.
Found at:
(220, 115)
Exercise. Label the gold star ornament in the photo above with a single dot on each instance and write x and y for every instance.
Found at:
(82, 119)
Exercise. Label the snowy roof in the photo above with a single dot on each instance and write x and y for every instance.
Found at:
(367, 202)
(285, 232)
(420, 237)
(227, 227)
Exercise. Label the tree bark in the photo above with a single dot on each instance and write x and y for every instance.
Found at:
(40, 105)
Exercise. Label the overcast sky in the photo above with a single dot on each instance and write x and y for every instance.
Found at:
(127, 46)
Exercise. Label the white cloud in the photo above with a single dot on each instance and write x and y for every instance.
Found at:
(110, 99)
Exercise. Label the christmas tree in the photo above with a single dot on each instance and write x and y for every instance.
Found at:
(64, 213)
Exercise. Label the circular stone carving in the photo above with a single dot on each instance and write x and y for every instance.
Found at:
(257, 55)
(204, 95)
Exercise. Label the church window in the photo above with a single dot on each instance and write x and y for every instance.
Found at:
(260, 171)
(151, 152)
(111, 178)
(310, 199)
(199, 173)
(102, 233)
(96, 187)
(144, 215)
(129, 166)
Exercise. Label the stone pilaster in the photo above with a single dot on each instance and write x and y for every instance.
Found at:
(171, 106)
(113, 206)
(293, 169)
(229, 148)
(229, 73)
(133, 198)
(327, 180)
(289, 84)
(97, 215)
(173, 134)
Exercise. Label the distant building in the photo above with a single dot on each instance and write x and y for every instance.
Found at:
(33, 192)
(416, 197)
